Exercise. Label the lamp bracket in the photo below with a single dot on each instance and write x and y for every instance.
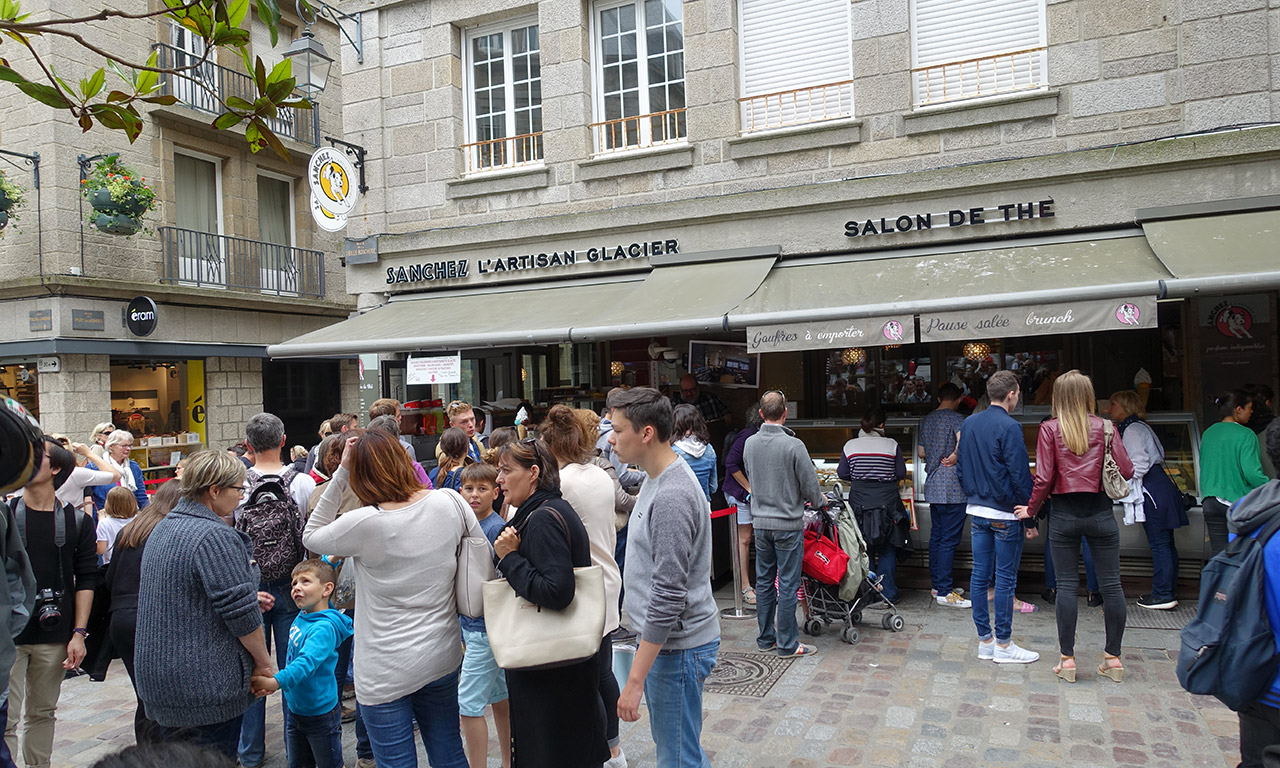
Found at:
(32, 161)
(310, 10)
(357, 152)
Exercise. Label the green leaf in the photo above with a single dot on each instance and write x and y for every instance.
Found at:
(283, 70)
(86, 122)
(96, 81)
(132, 123)
(235, 102)
(146, 81)
(237, 10)
(269, 13)
(45, 94)
(269, 137)
(295, 103)
(165, 100)
(227, 120)
(260, 75)
(118, 96)
(11, 75)
(109, 115)
(225, 36)
(278, 92)
(114, 67)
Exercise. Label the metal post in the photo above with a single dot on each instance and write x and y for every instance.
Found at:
(738, 611)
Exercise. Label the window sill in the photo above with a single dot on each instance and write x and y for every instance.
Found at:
(497, 182)
(793, 138)
(649, 160)
(965, 114)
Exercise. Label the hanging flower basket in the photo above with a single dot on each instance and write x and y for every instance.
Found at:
(4, 219)
(119, 197)
(12, 197)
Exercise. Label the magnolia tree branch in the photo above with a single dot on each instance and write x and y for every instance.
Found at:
(103, 15)
(204, 58)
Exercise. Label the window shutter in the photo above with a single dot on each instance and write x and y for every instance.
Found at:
(1006, 35)
(791, 46)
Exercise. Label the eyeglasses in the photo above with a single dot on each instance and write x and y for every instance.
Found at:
(325, 434)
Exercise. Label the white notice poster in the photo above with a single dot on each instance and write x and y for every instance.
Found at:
(446, 369)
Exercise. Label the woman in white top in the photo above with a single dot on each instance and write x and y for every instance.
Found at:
(589, 490)
(403, 547)
(73, 490)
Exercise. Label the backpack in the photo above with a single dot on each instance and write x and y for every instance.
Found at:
(1228, 649)
(271, 519)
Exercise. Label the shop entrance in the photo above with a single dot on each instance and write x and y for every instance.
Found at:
(18, 380)
(161, 402)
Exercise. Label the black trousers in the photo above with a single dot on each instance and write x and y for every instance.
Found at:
(124, 625)
(1066, 531)
(609, 692)
(1215, 524)
(1259, 729)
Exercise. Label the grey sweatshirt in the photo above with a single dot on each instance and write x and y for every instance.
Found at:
(668, 563)
(782, 477)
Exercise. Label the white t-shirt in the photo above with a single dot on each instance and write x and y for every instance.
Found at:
(589, 490)
(108, 529)
(977, 510)
(72, 491)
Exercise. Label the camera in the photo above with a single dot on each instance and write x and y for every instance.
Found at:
(48, 614)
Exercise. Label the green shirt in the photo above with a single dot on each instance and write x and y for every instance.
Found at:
(1230, 461)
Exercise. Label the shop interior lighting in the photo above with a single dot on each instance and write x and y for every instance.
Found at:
(616, 368)
(976, 350)
(854, 356)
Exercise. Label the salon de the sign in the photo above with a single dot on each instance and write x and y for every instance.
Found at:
(956, 217)
(452, 269)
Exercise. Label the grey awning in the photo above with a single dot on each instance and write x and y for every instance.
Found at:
(1241, 243)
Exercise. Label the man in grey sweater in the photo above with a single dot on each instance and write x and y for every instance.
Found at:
(668, 575)
(782, 478)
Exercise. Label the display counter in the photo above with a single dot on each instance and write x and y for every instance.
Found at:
(1178, 432)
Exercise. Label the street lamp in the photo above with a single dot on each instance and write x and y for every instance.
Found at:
(311, 63)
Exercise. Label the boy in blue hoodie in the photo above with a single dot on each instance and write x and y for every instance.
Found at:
(313, 723)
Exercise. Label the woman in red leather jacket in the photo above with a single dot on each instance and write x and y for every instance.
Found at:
(1069, 456)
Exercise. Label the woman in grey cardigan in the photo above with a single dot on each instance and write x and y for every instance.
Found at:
(199, 636)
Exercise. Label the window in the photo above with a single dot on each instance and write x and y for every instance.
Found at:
(639, 74)
(285, 123)
(797, 62)
(198, 203)
(275, 235)
(964, 49)
(504, 97)
(200, 88)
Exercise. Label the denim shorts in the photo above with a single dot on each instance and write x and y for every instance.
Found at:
(744, 510)
(482, 682)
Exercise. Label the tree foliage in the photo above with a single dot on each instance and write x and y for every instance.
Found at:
(221, 24)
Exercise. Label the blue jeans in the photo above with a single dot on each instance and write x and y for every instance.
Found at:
(1164, 560)
(6, 759)
(673, 690)
(314, 741)
(218, 736)
(1090, 574)
(778, 553)
(946, 526)
(884, 563)
(998, 543)
(277, 622)
(435, 707)
(364, 748)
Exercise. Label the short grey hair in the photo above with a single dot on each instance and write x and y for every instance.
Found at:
(264, 432)
(389, 424)
(119, 436)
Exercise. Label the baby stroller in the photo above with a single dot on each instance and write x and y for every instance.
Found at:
(857, 590)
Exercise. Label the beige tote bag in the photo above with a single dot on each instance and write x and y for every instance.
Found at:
(475, 567)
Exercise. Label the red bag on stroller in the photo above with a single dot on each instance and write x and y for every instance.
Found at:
(824, 561)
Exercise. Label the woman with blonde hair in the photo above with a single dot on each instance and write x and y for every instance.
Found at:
(1069, 456)
(98, 438)
(1153, 500)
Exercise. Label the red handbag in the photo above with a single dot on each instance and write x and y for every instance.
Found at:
(823, 561)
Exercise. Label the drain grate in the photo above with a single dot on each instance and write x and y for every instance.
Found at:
(746, 674)
(1143, 618)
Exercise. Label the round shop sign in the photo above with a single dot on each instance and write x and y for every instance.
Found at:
(1128, 313)
(332, 179)
(325, 218)
(140, 316)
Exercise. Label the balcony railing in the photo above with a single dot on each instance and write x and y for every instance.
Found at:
(190, 257)
(639, 132)
(499, 154)
(797, 106)
(213, 82)
(985, 76)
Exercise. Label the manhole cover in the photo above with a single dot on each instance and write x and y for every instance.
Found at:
(746, 674)
(1145, 618)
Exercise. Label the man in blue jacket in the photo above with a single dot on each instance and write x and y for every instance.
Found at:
(1260, 721)
(995, 473)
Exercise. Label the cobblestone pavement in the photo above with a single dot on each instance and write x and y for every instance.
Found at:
(915, 699)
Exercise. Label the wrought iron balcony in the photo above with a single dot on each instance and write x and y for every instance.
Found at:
(204, 260)
(213, 82)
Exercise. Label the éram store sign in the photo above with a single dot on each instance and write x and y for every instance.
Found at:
(460, 268)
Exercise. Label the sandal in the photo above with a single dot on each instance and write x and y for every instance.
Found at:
(1028, 607)
(749, 596)
(1065, 672)
(800, 651)
(1113, 672)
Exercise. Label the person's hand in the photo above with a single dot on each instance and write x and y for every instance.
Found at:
(81, 449)
(1032, 533)
(75, 652)
(263, 685)
(508, 542)
(263, 670)
(950, 461)
(347, 451)
(1022, 512)
(629, 702)
(266, 601)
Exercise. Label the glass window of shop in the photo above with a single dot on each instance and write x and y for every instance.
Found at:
(161, 402)
(19, 381)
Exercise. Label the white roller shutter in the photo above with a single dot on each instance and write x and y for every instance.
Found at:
(1007, 36)
(788, 48)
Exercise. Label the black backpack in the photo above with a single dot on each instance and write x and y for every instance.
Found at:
(1228, 649)
(271, 519)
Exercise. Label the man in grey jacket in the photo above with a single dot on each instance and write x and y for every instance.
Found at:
(782, 478)
(669, 574)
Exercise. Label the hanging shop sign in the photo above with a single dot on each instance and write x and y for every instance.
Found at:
(833, 334)
(443, 369)
(459, 268)
(333, 188)
(140, 316)
(909, 221)
(1237, 344)
(1040, 319)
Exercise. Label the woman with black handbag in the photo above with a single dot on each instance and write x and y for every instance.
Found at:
(1072, 454)
(557, 714)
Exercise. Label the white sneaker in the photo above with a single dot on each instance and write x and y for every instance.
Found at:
(1012, 654)
(987, 650)
(617, 762)
(953, 600)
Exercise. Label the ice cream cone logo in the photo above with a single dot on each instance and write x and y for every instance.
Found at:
(1128, 314)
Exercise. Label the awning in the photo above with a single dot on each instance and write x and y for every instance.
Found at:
(1132, 314)
(1095, 266)
(1244, 244)
(833, 334)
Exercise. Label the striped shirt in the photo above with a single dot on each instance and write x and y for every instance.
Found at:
(872, 457)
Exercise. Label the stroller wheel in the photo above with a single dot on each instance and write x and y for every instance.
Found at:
(855, 617)
(814, 627)
(850, 635)
(893, 622)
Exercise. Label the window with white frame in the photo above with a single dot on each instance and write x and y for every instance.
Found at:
(504, 97)
(197, 188)
(639, 73)
(277, 257)
(966, 49)
(797, 62)
(200, 88)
